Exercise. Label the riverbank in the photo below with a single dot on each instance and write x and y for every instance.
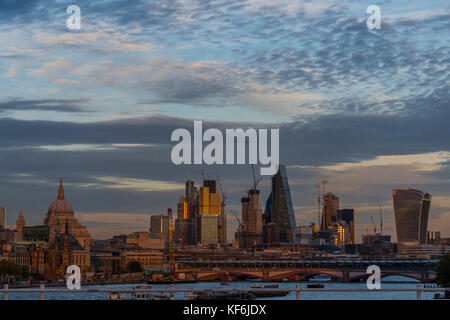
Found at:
(104, 282)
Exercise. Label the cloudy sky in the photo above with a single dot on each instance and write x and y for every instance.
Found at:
(97, 105)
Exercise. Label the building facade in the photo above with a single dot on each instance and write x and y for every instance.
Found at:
(60, 213)
(411, 208)
(330, 210)
(281, 211)
(251, 233)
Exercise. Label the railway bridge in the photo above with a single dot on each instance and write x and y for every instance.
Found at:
(342, 270)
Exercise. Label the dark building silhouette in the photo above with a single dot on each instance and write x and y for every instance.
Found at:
(411, 209)
(279, 215)
(348, 215)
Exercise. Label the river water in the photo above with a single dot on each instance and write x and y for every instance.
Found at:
(389, 282)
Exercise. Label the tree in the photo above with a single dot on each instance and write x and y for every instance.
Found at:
(443, 271)
(134, 266)
(9, 269)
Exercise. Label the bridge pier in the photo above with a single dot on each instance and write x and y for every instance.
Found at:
(265, 275)
(345, 276)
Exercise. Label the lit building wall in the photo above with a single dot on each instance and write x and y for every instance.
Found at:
(209, 229)
(182, 211)
(203, 201)
(330, 210)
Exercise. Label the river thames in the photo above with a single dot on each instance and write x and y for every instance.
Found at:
(390, 282)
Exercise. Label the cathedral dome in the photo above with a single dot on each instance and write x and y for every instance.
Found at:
(60, 205)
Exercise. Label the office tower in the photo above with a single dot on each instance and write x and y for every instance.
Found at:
(348, 215)
(434, 238)
(191, 195)
(222, 223)
(411, 208)
(2, 217)
(159, 225)
(208, 229)
(209, 210)
(282, 211)
(181, 223)
(190, 191)
(330, 209)
(211, 184)
(182, 212)
(251, 233)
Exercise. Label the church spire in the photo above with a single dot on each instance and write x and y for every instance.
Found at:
(60, 190)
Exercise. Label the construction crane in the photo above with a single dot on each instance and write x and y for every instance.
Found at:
(324, 181)
(243, 235)
(221, 190)
(318, 204)
(255, 182)
(381, 220)
(203, 175)
(373, 225)
(223, 216)
(241, 227)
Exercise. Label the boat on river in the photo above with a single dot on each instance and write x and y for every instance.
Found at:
(267, 294)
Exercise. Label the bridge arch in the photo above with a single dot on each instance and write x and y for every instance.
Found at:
(415, 276)
(293, 273)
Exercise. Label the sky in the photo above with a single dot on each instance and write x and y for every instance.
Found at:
(97, 106)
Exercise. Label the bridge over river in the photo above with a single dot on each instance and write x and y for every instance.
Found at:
(276, 270)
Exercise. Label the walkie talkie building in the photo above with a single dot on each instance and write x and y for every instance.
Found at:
(411, 209)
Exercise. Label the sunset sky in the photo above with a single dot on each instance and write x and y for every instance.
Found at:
(97, 106)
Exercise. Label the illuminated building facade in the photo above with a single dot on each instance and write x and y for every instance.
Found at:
(348, 216)
(159, 225)
(251, 233)
(330, 210)
(209, 209)
(60, 213)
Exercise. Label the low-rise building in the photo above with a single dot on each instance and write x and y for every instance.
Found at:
(145, 240)
(146, 258)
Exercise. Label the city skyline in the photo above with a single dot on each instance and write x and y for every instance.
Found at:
(97, 105)
(143, 225)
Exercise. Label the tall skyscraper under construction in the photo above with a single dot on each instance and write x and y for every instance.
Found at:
(279, 215)
(251, 233)
(330, 210)
(411, 208)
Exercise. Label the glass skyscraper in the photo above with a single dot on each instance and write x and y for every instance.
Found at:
(281, 212)
(411, 209)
